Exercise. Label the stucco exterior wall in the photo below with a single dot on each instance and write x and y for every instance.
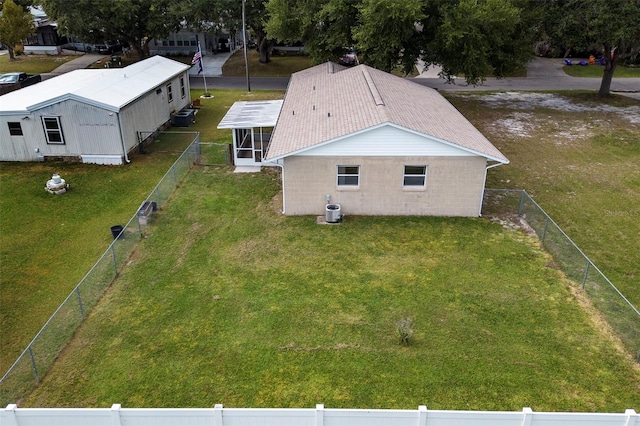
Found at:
(454, 186)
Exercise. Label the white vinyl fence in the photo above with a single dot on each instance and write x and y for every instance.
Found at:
(219, 416)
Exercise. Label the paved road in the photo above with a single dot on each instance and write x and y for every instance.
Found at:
(542, 74)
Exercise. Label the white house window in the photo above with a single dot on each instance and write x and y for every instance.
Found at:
(53, 130)
(15, 129)
(183, 92)
(169, 93)
(415, 176)
(348, 175)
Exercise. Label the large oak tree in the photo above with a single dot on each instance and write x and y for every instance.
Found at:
(474, 38)
(135, 21)
(612, 26)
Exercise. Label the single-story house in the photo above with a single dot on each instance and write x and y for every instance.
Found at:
(45, 39)
(374, 143)
(92, 115)
(185, 42)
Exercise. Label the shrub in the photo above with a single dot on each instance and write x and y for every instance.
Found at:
(404, 330)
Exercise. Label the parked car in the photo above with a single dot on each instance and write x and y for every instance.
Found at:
(349, 59)
(17, 80)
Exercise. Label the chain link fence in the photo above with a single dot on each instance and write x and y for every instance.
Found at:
(34, 362)
(215, 154)
(45, 347)
(615, 308)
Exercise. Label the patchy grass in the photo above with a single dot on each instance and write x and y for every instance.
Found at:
(215, 108)
(227, 301)
(597, 71)
(33, 240)
(33, 64)
(579, 156)
(280, 66)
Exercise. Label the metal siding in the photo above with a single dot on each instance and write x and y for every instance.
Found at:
(86, 129)
(89, 129)
(152, 110)
(20, 148)
(386, 141)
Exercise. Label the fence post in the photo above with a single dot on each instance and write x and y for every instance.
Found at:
(422, 415)
(521, 206)
(158, 203)
(113, 256)
(217, 415)
(544, 231)
(80, 302)
(115, 415)
(632, 416)
(319, 415)
(33, 364)
(10, 415)
(175, 176)
(586, 274)
(528, 416)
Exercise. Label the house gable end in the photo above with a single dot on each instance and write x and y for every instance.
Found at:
(387, 139)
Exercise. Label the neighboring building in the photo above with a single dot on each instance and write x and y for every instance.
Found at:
(92, 115)
(374, 143)
(186, 42)
(45, 40)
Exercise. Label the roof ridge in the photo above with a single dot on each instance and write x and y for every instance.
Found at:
(375, 93)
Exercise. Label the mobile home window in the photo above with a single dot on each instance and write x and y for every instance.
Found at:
(169, 93)
(53, 130)
(348, 175)
(15, 129)
(183, 92)
(414, 176)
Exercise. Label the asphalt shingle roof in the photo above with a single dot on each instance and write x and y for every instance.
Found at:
(329, 101)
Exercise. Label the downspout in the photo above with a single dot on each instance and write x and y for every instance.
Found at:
(124, 147)
(484, 182)
(281, 174)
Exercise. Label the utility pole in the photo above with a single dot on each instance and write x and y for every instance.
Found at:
(244, 37)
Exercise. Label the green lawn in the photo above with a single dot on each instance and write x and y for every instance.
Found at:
(228, 302)
(597, 70)
(280, 66)
(33, 239)
(33, 64)
(578, 156)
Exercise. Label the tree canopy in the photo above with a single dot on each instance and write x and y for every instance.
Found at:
(134, 21)
(474, 38)
(611, 27)
(15, 25)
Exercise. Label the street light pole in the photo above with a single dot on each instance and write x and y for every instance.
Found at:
(244, 37)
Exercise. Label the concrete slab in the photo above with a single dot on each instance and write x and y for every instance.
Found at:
(247, 169)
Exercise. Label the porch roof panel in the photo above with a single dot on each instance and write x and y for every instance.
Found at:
(250, 114)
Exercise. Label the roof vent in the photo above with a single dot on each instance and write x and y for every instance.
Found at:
(377, 98)
(330, 69)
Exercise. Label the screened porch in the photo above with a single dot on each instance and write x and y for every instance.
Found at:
(252, 125)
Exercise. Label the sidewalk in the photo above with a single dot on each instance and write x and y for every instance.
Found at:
(211, 65)
(81, 62)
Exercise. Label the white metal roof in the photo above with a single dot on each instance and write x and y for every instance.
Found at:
(249, 114)
(111, 88)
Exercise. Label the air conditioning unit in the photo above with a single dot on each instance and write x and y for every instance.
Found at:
(333, 213)
(183, 118)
